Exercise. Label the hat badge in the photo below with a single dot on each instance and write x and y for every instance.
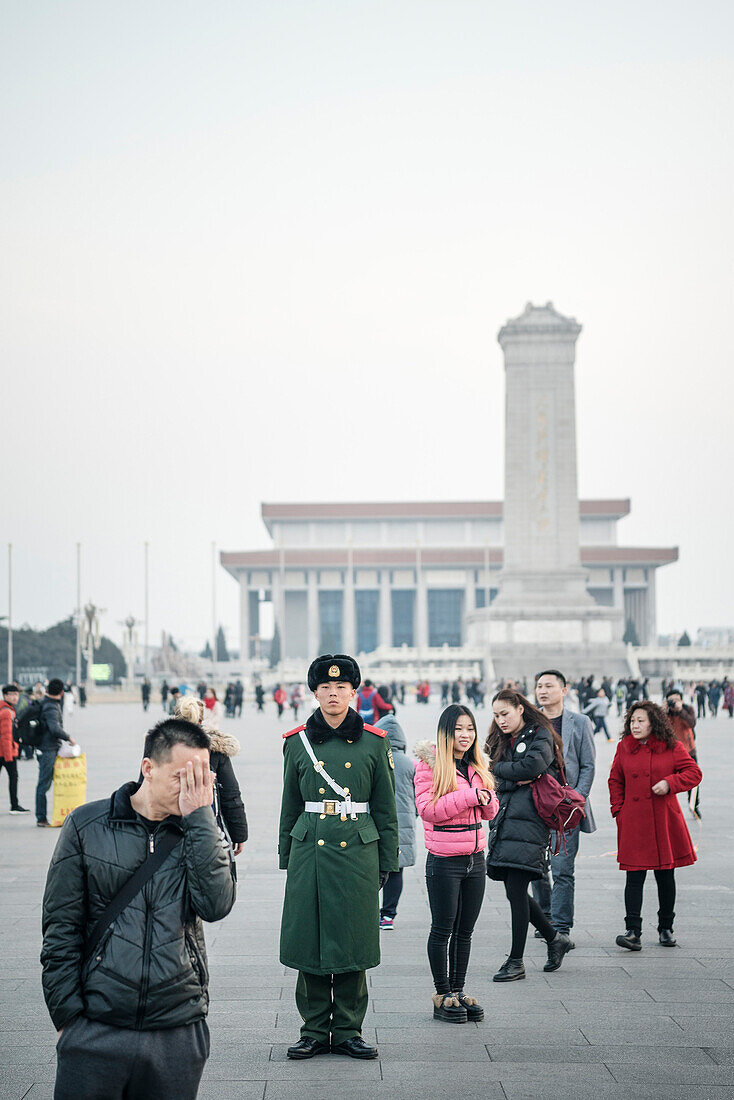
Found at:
(335, 672)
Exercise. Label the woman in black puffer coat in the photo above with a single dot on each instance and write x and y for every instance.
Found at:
(522, 745)
(222, 747)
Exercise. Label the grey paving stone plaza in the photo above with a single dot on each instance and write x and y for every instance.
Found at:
(608, 1024)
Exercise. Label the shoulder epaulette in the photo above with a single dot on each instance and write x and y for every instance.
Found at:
(296, 730)
(374, 729)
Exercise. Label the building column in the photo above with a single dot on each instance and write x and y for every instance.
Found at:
(470, 601)
(312, 608)
(384, 632)
(278, 597)
(652, 619)
(618, 589)
(348, 611)
(244, 620)
(421, 610)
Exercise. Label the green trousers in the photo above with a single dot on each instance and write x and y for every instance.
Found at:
(332, 1004)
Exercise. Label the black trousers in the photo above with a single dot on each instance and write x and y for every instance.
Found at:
(11, 767)
(99, 1062)
(633, 899)
(524, 911)
(391, 892)
(455, 887)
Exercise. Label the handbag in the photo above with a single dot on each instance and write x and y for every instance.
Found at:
(559, 806)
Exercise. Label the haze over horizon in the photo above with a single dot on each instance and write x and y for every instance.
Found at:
(261, 253)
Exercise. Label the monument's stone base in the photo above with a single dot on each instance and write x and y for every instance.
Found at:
(577, 640)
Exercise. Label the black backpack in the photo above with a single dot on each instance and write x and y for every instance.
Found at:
(30, 726)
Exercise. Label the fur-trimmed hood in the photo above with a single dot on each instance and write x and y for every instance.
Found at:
(426, 751)
(222, 742)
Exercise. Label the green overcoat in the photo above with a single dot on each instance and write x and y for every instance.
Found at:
(330, 919)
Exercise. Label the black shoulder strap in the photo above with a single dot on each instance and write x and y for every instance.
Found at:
(132, 887)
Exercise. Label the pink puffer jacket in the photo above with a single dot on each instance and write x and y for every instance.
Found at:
(459, 807)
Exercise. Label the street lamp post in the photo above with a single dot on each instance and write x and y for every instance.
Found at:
(10, 613)
(78, 614)
(145, 656)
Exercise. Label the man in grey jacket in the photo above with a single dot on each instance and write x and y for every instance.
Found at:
(407, 814)
(579, 754)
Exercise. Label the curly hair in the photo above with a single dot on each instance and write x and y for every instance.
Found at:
(660, 726)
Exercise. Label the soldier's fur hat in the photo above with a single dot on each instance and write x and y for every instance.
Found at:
(334, 668)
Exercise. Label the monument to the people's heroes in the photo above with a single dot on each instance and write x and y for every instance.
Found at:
(543, 606)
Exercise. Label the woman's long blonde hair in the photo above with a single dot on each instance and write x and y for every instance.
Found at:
(444, 772)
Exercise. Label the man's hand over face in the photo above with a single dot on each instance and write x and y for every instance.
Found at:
(197, 787)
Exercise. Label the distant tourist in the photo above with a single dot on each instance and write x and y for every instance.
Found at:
(295, 700)
(53, 734)
(522, 745)
(145, 693)
(729, 699)
(129, 997)
(683, 723)
(714, 695)
(579, 758)
(259, 696)
(239, 695)
(454, 794)
(370, 704)
(9, 746)
(597, 709)
(174, 695)
(214, 707)
(279, 697)
(405, 802)
(164, 693)
(651, 767)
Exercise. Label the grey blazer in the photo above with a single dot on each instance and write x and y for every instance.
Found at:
(579, 754)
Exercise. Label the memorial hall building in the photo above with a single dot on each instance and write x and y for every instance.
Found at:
(358, 577)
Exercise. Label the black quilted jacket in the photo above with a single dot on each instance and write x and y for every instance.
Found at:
(518, 838)
(149, 971)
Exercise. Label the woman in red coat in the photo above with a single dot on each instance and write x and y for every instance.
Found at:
(650, 769)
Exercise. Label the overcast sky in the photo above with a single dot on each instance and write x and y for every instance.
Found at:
(261, 251)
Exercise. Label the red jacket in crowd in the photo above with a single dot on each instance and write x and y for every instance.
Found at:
(651, 832)
(8, 744)
(683, 722)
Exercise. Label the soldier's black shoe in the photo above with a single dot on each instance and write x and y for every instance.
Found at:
(355, 1048)
(667, 939)
(474, 1010)
(446, 1007)
(557, 948)
(512, 970)
(630, 940)
(307, 1048)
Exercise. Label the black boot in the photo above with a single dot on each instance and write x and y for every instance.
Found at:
(630, 940)
(355, 1048)
(667, 939)
(557, 948)
(446, 1007)
(512, 970)
(307, 1048)
(474, 1010)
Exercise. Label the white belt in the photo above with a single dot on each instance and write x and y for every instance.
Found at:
(332, 808)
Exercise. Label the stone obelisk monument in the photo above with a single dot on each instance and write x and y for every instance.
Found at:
(543, 611)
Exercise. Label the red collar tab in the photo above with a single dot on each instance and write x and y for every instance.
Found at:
(296, 730)
(374, 729)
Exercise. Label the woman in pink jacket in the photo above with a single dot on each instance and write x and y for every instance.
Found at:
(454, 793)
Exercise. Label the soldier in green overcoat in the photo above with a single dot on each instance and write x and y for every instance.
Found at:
(338, 842)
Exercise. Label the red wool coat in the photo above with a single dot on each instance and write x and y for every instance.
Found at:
(651, 832)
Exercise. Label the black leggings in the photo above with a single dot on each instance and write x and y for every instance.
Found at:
(525, 910)
(455, 893)
(633, 899)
